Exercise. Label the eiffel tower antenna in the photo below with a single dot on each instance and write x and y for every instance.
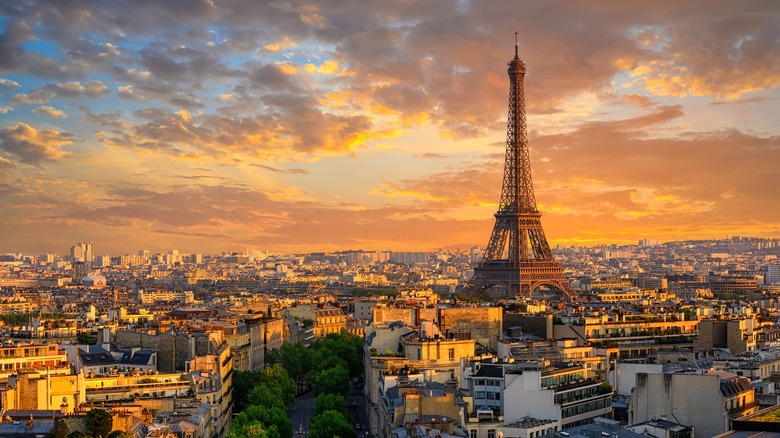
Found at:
(518, 257)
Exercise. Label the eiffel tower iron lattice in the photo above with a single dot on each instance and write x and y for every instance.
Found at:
(518, 257)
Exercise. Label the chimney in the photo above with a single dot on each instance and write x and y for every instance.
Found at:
(106, 344)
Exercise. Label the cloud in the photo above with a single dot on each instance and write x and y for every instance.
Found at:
(615, 138)
(50, 111)
(431, 155)
(283, 171)
(37, 96)
(7, 83)
(756, 99)
(32, 146)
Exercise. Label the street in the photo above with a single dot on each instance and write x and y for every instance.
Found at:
(300, 414)
(302, 411)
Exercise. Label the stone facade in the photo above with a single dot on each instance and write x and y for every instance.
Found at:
(173, 349)
(483, 324)
(738, 335)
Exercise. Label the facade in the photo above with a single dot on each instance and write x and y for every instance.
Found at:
(151, 297)
(738, 335)
(773, 274)
(328, 319)
(707, 402)
(430, 345)
(124, 387)
(40, 390)
(482, 324)
(82, 252)
(20, 356)
(439, 361)
(564, 395)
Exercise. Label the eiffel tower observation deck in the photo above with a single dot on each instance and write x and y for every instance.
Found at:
(518, 257)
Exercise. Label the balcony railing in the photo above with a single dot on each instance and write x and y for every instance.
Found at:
(740, 410)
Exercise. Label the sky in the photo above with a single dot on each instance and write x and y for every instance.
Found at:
(296, 126)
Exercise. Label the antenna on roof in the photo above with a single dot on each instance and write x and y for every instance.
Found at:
(515, 44)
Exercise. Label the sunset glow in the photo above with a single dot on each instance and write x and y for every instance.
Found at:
(219, 125)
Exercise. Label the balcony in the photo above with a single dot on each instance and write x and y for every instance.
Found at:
(576, 384)
(739, 411)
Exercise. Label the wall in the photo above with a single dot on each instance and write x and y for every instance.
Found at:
(541, 325)
(483, 323)
(523, 397)
(688, 399)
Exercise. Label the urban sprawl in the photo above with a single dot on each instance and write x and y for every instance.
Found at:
(672, 340)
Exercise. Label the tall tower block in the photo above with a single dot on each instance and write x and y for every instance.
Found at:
(518, 257)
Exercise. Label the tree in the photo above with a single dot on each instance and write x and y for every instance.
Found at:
(331, 402)
(83, 338)
(266, 395)
(332, 381)
(295, 358)
(60, 429)
(275, 416)
(243, 383)
(277, 375)
(345, 346)
(330, 424)
(98, 422)
(249, 430)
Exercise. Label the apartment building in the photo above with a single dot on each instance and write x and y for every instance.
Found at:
(708, 401)
(566, 394)
(35, 356)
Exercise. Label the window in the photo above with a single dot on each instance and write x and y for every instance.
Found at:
(452, 353)
(479, 394)
(491, 433)
(473, 433)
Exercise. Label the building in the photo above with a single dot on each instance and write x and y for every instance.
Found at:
(566, 394)
(738, 335)
(328, 319)
(31, 356)
(439, 361)
(773, 274)
(82, 252)
(706, 401)
(42, 390)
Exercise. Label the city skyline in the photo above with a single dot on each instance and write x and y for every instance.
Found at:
(209, 126)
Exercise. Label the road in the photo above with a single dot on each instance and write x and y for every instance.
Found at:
(302, 411)
(300, 414)
(357, 407)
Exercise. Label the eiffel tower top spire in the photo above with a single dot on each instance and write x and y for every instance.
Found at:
(517, 194)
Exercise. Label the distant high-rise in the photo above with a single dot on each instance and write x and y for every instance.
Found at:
(518, 257)
(82, 252)
(773, 274)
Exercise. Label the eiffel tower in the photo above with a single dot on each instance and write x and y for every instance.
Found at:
(518, 257)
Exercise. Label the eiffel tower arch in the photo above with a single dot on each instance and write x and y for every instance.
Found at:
(518, 257)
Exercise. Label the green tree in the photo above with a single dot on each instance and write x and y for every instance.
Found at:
(243, 383)
(332, 381)
(98, 422)
(331, 402)
(60, 429)
(83, 338)
(344, 345)
(295, 358)
(331, 424)
(250, 430)
(277, 375)
(275, 416)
